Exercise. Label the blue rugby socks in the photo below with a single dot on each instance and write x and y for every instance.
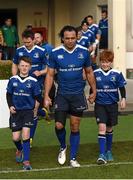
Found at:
(18, 145)
(102, 143)
(33, 129)
(74, 144)
(26, 149)
(61, 135)
(109, 139)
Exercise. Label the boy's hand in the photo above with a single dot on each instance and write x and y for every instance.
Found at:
(12, 110)
(123, 103)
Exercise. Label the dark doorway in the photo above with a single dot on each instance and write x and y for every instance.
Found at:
(8, 13)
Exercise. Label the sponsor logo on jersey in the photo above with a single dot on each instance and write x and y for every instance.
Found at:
(71, 65)
(21, 90)
(60, 56)
(106, 87)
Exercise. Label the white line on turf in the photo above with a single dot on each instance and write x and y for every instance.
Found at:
(64, 167)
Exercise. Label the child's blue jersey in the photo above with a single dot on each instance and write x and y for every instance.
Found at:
(107, 84)
(83, 41)
(37, 55)
(69, 66)
(90, 36)
(23, 92)
(95, 29)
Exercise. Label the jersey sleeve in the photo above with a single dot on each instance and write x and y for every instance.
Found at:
(87, 60)
(44, 57)
(92, 39)
(10, 86)
(36, 89)
(51, 61)
(121, 81)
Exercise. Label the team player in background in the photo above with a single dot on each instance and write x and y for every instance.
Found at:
(94, 28)
(40, 42)
(108, 82)
(90, 35)
(69, 60)
(38, 68)
(85, 41)
(103, 26)
(97, 34)
(22, 92)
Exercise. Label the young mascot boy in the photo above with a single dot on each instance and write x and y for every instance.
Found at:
(108, 82)
(22, 92)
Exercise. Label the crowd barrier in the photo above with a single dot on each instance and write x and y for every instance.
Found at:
(4, 111)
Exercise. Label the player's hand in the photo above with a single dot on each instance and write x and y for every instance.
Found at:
(92, 97)
(12, 110)
(123, 103)
(47, 102)
(92, 54)
(37, 73)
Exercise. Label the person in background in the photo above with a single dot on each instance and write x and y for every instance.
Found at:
(1, 44)
(108, 82)
(11, 39)
(22, 92)
(103, 26)
(29, 27)
(48, 47)
(97, 34)
(69, 60)
(39, 40)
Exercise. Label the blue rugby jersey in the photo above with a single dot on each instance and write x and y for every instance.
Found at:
(84, 41)
(69, 66)
(23, 92)
(37, 55)
(107, 84)
(90, 36)
(95, 29)
(103, 26)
